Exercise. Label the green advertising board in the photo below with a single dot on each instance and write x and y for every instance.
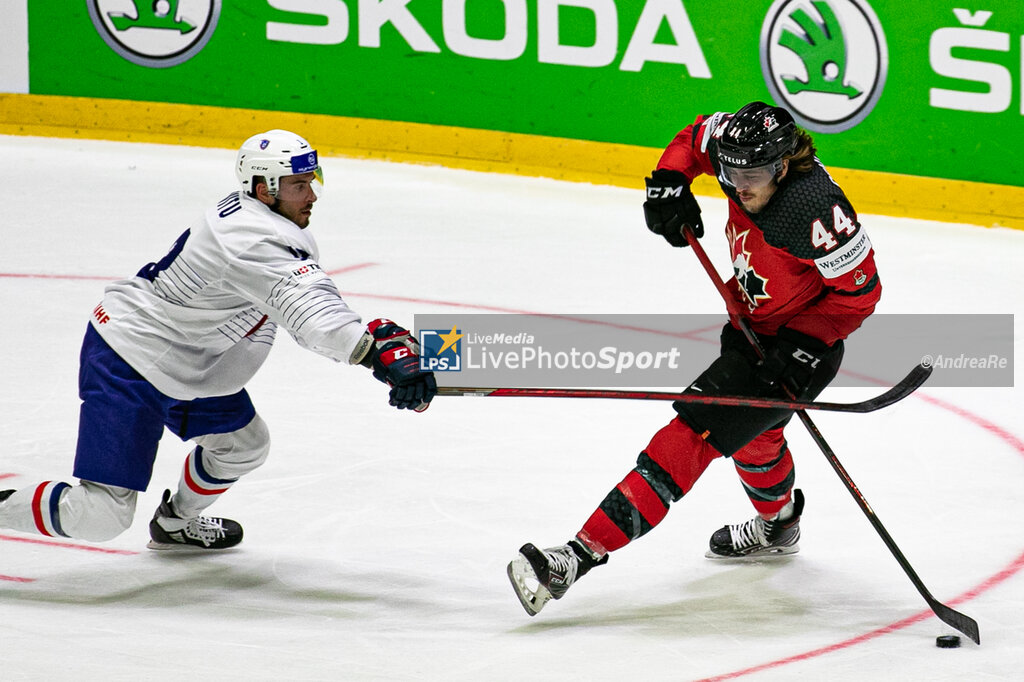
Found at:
(920, 87)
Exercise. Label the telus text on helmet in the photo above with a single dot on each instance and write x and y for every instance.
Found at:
(371, 17)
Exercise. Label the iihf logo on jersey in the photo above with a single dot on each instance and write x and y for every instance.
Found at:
(440, 350)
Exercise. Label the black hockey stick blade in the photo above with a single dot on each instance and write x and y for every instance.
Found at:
(956, 620)
(917, 376)
(910, 383)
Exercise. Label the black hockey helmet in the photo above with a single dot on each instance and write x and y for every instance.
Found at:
(757, 135)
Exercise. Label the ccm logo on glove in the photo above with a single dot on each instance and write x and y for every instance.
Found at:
(664, 192)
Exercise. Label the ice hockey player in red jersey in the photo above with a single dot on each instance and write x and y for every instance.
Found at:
(805, 279)
(175, 345)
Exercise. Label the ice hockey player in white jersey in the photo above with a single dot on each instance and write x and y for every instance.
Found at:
(176, 344)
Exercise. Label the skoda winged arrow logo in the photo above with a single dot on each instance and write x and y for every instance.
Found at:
(155, 15)
(824, 60)
(155, 33)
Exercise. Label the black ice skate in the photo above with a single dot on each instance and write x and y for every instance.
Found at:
(541, 575)
(170, 531)
(759, 538)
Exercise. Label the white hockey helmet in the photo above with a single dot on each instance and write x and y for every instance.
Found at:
(272, 155)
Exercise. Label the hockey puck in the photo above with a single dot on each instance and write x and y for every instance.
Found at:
(947, 642)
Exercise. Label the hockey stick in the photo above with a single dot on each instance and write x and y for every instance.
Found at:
(905, 387)
(951, 617)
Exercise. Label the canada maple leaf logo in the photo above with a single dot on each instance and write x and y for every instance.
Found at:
(752, 285)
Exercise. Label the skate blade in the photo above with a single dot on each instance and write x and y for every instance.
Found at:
(177, 547)
(522, 577)
(773, 553)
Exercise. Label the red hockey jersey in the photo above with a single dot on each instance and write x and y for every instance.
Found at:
(803, 261)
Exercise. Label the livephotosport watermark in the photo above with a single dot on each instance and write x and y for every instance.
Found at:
(442, 353)
(616, 351)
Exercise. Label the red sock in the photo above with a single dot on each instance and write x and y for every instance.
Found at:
(765, 466)
(665, 471)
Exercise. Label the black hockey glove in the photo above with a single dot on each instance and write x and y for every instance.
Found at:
(792, 360)
(670, 205)
(395, 360)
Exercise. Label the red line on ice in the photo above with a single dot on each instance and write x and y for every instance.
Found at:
(37, 275)
(67, 545)
(350, 268)
(16, 579)
(695, 334)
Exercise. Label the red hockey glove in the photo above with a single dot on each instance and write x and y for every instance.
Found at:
(395, 361)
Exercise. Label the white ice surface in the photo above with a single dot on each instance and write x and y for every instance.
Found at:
(376, 541)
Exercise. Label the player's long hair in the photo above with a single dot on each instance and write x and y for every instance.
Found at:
(802, 158)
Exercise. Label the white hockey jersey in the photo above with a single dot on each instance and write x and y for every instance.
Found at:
(201, 321)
